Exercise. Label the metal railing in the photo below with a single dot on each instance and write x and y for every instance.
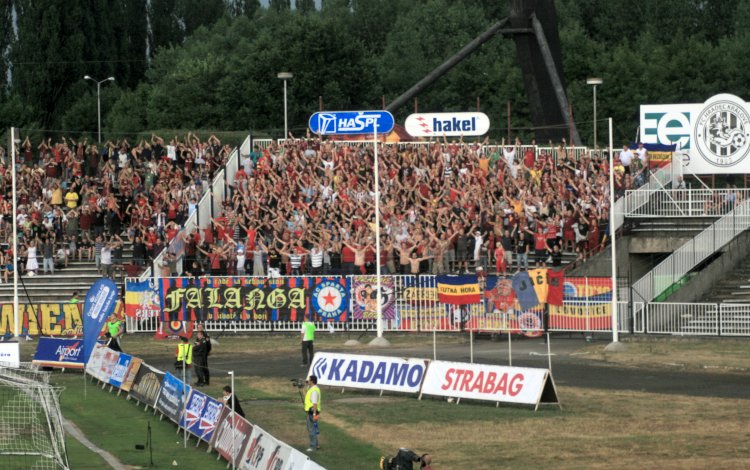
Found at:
(636, 199)
(682, 202)
(692, 253)
(209, 204)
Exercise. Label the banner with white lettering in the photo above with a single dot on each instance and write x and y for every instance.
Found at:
(369, 372)
(201, 415)
(59, 352)
(487, 382)
(172, 396)
(120, 371)
(10, 354)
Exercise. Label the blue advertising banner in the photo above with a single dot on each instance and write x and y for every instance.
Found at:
(171, 397)
(59, 352)
(99, 305)
(201, 415)
(351, 122)
(120, 371)
(395, 374)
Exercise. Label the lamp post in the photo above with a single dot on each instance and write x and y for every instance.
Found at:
(99, 102)
(594, 81)
(285, 76)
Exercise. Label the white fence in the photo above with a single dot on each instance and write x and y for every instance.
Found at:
(682, 202)
(689, 255)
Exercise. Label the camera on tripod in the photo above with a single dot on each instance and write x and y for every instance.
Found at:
(299, 383)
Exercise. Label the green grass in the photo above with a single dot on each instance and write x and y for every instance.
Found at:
(80, 457)
(117, 425)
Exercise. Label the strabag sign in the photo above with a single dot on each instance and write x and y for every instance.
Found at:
(713, 137)
(522, 385)
(447, 124)
(369, 372)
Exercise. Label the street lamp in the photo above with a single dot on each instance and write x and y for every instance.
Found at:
(99, 101)
(285, 76)
(594, 81)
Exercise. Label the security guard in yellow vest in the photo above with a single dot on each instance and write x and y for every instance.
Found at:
(313, 400)
(185, 359)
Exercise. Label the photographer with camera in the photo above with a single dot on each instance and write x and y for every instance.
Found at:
(312, 410)
(404, 460)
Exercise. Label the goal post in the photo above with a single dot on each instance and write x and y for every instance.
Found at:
(31, 425)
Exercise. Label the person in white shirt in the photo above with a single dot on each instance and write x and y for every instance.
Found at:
(642, 153)
(626, 158)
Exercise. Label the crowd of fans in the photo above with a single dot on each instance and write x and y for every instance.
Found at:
(77, 200)
(307, 206)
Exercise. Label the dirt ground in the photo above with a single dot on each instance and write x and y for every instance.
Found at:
(575, 362)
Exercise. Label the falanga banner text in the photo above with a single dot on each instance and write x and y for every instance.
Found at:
(254, 299)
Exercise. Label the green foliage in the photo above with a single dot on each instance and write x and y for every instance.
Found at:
(213, 63)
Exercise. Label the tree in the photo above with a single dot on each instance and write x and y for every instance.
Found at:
(196, 13)
(305, 6)
(279, 5)
(165, 25)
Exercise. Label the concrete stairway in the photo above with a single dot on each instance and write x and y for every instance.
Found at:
(733, 287)
(59, 287)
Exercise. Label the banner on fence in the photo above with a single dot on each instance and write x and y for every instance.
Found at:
(243, 299)
(263, 451)
(61, 319)
(146, 385)
(98, 306)
(368, 372)
(201, 415)
(522, 385)
(365, 298)
(141, 299)
(458, 290)
(231, 436)
(135, 365)
(102, 362)
(172, 397)
(59, 352)
(587, 305)
(10, 354)
(504, 312)
(120, 370)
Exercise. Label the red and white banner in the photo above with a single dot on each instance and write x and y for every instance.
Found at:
(490, 383)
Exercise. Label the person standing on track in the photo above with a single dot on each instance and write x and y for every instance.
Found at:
(312, 410)
(200, 358)
(185, 358)
(307, 338)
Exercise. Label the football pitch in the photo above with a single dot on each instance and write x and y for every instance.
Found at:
(674, 403)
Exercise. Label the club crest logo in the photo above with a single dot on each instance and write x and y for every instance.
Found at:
(722, 131)
(329, 299)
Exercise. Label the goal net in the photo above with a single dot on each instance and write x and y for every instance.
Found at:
(31, 426)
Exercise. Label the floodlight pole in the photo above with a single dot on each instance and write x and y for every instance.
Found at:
(99, 103)
(16, 313)
(613, 249)
(379, 307)
(234, 417)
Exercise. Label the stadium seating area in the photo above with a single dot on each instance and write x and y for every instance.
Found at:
(307, 206)
(78, 201)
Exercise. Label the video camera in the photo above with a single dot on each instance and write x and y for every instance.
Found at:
(299, 383)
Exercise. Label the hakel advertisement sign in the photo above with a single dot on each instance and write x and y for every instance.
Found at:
(447, 124)
(713, 137)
